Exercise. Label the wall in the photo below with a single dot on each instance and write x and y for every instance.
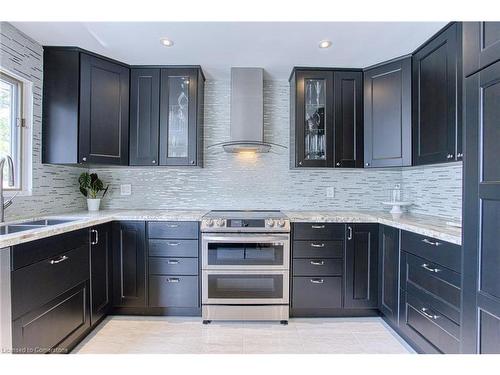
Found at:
(227, 181)
(239, 182)
(435, 189)
(55, 188)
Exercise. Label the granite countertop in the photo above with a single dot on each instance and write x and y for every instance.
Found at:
(85, 219)
(422, 224)
(425, 225)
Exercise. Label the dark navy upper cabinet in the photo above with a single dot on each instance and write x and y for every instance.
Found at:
(387, 119)
(311, 116)
(104, 101)
(361, 266)
(481, 212)
(181, 117)
(326, 121)
(388, 272)
(144, 116)
(85, 108)
(481, 42)
(437, 103)
(348, 118)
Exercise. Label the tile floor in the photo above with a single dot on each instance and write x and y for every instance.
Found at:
(169, 335)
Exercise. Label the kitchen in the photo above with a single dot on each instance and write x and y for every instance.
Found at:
(162, 200)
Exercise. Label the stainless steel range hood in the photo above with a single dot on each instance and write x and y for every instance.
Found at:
(247, 111)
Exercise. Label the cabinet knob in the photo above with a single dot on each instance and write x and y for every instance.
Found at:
(84, 159)
(367, 164)
(192, 161)
(460, 155)
(449, 156)
(153, 161)
(300, 163)
(338, 164)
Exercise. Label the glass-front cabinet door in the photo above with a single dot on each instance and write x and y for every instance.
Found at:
(178, 117)
(314, 119)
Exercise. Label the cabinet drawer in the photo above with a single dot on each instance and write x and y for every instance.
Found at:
(435, 304)
(437, 251)
(427, 326)
(173, 291)
(35, 285)
(53, 326)
(317, 292)
(318, 249)
(173, 248)
(433, 278)
(173, 266)
(317, 267)
(318, 231)
(35, 251)
(173, 229)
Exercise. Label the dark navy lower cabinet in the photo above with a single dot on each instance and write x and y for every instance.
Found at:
(129, 264)
(361, 266)
(100, 272)
(388, 272)
(481, 283)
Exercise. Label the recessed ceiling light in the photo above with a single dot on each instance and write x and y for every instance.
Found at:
(325, 44)
(166, 42)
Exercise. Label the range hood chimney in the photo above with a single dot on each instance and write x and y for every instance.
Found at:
(247, 111)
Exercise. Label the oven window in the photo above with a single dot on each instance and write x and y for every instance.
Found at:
(245, 286)
(236, 254)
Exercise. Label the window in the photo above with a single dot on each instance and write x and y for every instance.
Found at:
(14, 137)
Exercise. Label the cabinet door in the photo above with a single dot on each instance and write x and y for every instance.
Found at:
(100, 271)
(361, 262)
(436, 113)
(144, 116)
(481, 45)
(55, 326)
(387, 107)
(313, 128)
(481, 283)
(389, 272)
(129, 264)
(104, 103)
(348, 117)
(178, 117)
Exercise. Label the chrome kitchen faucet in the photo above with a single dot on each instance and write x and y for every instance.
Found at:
(3, 205)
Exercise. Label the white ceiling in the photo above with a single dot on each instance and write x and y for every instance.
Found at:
(217, 46)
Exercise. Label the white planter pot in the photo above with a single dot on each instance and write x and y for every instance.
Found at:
(93, 204)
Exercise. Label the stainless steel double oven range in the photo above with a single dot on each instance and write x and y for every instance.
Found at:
(245, 266)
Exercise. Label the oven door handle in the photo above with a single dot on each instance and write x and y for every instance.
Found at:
(246, 238)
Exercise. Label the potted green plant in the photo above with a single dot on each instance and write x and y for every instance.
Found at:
(90, 186)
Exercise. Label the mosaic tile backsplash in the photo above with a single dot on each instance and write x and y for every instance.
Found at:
(228, 181)
(55, 188)
(264, 181)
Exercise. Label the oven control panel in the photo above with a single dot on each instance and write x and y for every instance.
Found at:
(245, 225)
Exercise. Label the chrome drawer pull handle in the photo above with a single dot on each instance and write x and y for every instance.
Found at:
(317, 281)
(349, 234)
(431, 243)
(96, 237)
(172, 225)
(172, 262)
(61, 259)
(320, 263)
(173, 243)
(317, 245)
(426, 266)
(317, 226)
(173, 280)
(430, 316)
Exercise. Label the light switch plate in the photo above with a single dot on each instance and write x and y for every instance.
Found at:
(330, 192)
(125, 189)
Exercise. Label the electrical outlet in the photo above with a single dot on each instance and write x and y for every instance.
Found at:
(125, 189)
(330, 192)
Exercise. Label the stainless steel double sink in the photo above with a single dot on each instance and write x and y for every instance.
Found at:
(29, 225)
